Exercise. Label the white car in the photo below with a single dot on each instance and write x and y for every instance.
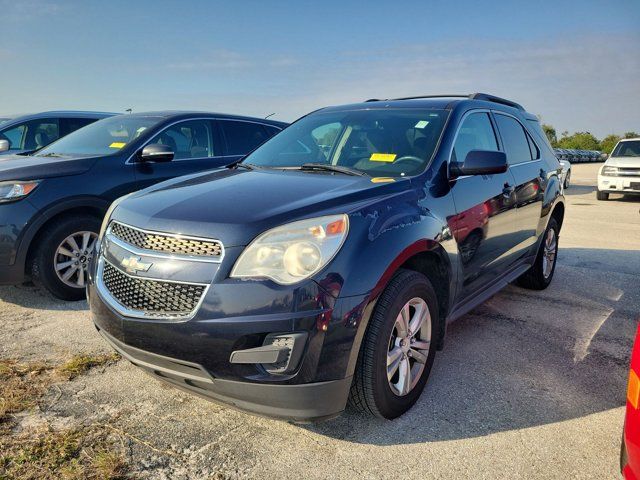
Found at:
(565, 175)
(621, 172)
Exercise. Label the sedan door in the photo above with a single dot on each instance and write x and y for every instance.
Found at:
(196, 145)
(485, 225)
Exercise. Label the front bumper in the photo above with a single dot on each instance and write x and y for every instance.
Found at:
(14, 219)
(194, 355)
(625, 185)
(300, 403)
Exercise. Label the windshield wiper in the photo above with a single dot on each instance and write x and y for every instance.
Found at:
(52, 154)
(332, 168)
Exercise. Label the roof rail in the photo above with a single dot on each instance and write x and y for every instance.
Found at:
(492, 98)
(432, 96)
(473, 96)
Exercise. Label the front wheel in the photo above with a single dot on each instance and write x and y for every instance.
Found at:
(567, 180)
(63, 254)
(602, 195)
(398, 348)
(539, 276)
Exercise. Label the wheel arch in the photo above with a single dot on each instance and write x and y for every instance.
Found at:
(92, 206)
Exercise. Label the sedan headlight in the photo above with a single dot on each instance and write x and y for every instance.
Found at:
(15, 190)
(293, 252)
(610, 171)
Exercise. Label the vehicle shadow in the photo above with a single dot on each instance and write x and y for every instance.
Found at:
(29, 296)
(575, 189)
(523, 359)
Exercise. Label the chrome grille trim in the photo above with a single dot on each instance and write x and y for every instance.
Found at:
(162, 244)
(116, 301)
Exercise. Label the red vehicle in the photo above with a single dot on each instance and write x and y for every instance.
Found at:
(630, 454)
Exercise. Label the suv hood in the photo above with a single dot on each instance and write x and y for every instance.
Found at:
(27, 167)
(236, 205)
(631, 162)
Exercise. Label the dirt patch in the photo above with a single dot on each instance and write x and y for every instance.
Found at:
(42, 451)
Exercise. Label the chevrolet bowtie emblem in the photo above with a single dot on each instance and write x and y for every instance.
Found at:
(135, 264)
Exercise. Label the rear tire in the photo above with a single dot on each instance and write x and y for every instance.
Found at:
(539, 276)
(47, 256)
(394, 363)
(602, 195)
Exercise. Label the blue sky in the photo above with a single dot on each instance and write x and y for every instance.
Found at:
(576, 63)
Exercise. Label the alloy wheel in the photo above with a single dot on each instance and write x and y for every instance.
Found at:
(550, 251)
(409, 345)
(73, 256)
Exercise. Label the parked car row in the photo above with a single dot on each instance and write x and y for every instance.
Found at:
(578, 156)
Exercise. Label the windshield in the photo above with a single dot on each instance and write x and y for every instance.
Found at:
(389, 142)
(627, 149)
(103, 137)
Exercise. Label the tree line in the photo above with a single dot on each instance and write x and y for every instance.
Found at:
(584, 140)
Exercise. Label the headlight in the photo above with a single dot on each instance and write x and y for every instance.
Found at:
(610, 171)
(15, 190)
(293, 252)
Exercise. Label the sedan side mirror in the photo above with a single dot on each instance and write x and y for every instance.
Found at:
(4, 145)
(480, 162)
(156, 153)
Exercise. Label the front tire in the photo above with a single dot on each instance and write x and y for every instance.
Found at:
(61, 258)
(539, 276)
(398, 348)
(602, 195)
(567, 180)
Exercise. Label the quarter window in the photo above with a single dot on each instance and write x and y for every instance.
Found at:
(476, 133)
(242, 137)
(516, 143)
(190, 139)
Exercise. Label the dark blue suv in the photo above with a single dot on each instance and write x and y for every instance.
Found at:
(325, 266)
(52, 202)
(28, 133)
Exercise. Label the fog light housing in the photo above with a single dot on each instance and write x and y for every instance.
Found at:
(279, 354)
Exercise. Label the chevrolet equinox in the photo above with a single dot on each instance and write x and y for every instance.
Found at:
(323, 268)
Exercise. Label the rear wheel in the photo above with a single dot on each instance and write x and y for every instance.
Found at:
(602, 195)
(61, 259)
(398, 349)
(539, 276)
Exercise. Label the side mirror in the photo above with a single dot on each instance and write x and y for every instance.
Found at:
(604, 156)
(4, 145)
(480, 162)
(156, 153)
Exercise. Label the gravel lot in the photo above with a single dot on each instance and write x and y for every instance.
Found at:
(530, 384)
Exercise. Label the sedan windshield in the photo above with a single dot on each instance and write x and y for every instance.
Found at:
(377, 142)
(103, 137)
(627, 149)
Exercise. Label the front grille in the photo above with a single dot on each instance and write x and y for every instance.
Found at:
(151, 297)
(158, 242)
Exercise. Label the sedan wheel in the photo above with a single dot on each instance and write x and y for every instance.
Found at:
(72, 258)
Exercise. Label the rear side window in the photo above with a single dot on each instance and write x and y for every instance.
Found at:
(476, 133)
(69, 125)
(271, 131)
(516, 143)
(242, 137)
